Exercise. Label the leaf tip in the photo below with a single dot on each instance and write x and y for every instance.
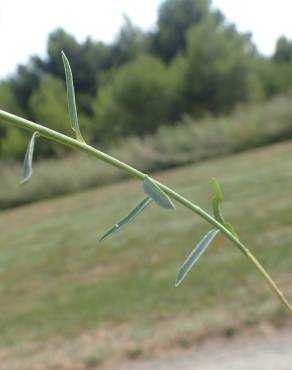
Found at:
(177, 282)
(64, 56)
(101, 238)
(27, 164)
(24, 181)
(170, 206)
(216, 184)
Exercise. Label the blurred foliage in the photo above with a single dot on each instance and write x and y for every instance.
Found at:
(283, 52)
(174, 19)
(194, 62)
(190, 140)
(216, 70)
(135, 101)
(130, 42)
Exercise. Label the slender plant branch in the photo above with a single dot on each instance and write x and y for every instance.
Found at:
(55, 136)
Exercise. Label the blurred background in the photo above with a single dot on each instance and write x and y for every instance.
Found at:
(184, 89)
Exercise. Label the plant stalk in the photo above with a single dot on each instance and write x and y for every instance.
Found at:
(47, 133)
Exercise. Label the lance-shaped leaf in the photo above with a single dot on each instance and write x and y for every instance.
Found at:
(71, 99)
(230, 228)
(130, 217)
(217, 199)
(157, 194)
(27, 163)
(195, 255)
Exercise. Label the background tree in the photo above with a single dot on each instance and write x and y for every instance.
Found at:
(9, 103)
(24, 82)
(130, 42)
(215, 74)
(283, 52)
(193, 62)
(136, 101)
(174, 19)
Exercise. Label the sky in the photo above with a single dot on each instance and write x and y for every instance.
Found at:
(25, 25)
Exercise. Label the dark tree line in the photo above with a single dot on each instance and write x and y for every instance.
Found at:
(193, 63)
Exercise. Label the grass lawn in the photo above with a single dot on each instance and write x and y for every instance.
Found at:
(64, 292)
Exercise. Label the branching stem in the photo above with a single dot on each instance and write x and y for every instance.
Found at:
(47, 133)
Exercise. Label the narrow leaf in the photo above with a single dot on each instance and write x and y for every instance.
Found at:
(71, 99)
(156, 194)
(130, 217)
(217, 201)
(230, 228)
(217, 210)
(27, 163)
(195, 255)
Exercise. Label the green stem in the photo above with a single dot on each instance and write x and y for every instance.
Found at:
(70, 142)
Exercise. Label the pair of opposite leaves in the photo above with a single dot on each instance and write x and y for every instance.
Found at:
(156, 194)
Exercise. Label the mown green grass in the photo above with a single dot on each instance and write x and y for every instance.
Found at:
(57, 281)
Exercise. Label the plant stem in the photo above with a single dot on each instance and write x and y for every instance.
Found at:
(70, 142)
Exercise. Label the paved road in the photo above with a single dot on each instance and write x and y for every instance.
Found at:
(272, 350)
